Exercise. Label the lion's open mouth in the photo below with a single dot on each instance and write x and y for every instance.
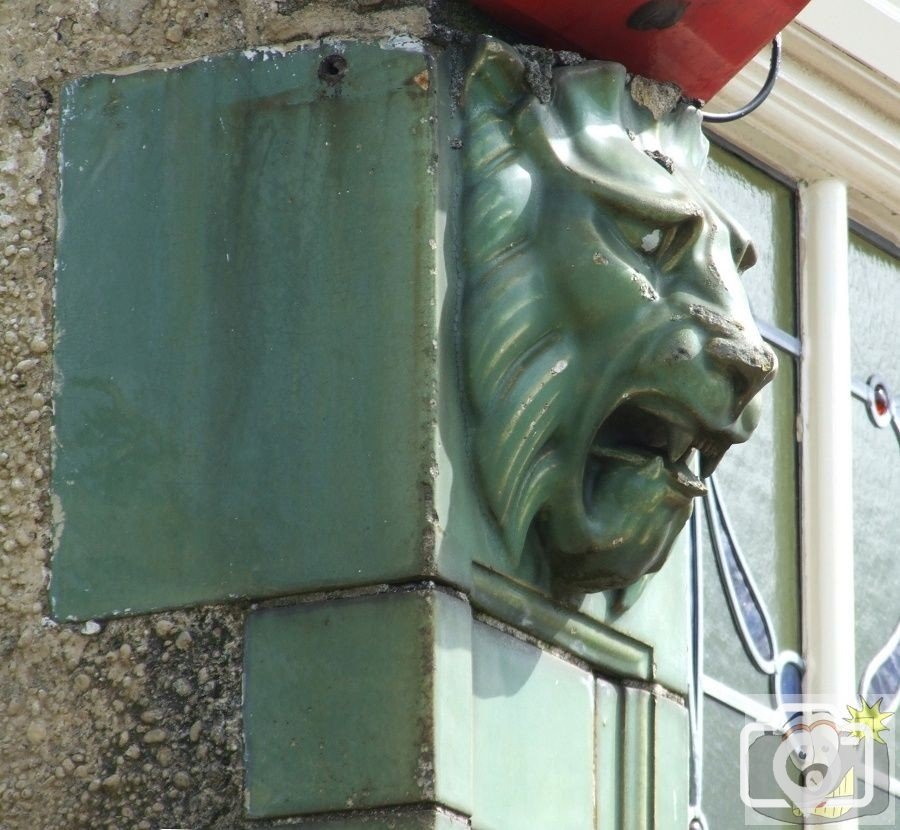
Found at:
(650, 439)
(636, 493)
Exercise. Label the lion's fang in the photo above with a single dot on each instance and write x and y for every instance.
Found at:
(679, 443)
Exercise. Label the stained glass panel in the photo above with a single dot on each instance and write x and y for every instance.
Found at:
(757, 484)
(874, 305)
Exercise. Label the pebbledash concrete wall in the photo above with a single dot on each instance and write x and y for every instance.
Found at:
(133, 723)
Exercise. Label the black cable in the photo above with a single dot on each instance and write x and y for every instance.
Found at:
(774, 68)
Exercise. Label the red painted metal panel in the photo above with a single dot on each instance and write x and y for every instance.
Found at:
(698, 44)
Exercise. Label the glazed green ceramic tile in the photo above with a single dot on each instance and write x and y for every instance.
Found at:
(245, 322)
(534, 746)
(358, 703)
(659, 617)
(637, 760)
(401, 819)
(453, 705)
(607, 650)
(608, 759)
(671, 753)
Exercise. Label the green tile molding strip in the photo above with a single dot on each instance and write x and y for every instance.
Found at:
(609, 651)
(609, 751)
(245, 322)
(395, 819)
(638, 760)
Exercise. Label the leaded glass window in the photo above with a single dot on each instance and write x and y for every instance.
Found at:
(875, 359)
(745, 538)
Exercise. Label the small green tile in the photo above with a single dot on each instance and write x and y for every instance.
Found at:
(358, 703)
(608, 755)
(245, 317)
(637, 760)
(534, 737)
(671, 757)
(453, 703)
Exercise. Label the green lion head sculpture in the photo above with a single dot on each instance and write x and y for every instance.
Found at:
(607, 341)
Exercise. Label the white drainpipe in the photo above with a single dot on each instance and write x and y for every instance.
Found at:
(828, 599)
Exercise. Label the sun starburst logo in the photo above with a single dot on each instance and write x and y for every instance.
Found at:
(870, 717)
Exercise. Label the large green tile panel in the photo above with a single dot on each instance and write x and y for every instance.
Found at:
(245, 317)
(453, 705)
(534, 737)
(358, 703)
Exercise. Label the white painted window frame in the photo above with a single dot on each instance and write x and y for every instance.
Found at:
(869, 30)
(830, 116)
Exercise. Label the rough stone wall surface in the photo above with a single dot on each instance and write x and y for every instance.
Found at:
(133, 723)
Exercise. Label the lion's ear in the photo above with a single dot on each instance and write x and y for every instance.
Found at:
(496, 76)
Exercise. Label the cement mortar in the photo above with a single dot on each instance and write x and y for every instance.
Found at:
(660, 98)
(136, 726)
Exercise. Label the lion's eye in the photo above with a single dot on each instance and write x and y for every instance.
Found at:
(641, 239)
(651, 242)
(665, 245)
(676, 241)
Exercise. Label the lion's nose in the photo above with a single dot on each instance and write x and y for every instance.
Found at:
(749, 365)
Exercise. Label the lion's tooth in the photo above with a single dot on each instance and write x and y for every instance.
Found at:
(692, 483)
(679, 442)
